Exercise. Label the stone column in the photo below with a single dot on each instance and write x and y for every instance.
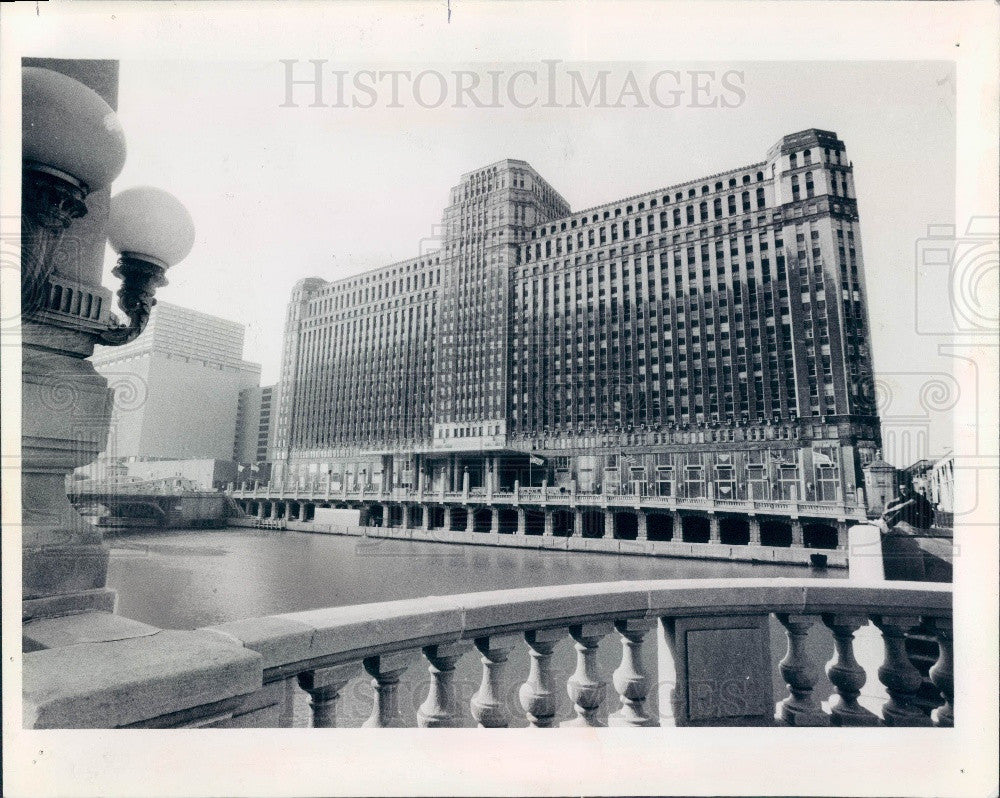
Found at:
(609, 524)
(522, 522)
(841, 535)
(754, 531)
(470, 518)
(578, 523)
(642, 533)
(495, 520)
(797, 532)
(426, 521)
(324, 686)
(447, 517)
(714, 535)
(260, 509)
(549, 523)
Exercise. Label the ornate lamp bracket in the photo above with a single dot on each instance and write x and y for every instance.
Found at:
(140, 276)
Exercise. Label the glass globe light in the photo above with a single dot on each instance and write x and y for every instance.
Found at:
(69, 127)
(151, 224)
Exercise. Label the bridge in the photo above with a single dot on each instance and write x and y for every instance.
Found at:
(167, 502)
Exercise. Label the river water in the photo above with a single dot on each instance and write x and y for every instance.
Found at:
(184, 579)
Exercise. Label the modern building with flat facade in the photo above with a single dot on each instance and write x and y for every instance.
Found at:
(178, 388)
(706, 343)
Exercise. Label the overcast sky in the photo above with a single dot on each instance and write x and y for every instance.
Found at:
(278, 194)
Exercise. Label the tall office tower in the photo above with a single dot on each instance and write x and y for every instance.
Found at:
(709, 339)
(491, 212)
(177, 387)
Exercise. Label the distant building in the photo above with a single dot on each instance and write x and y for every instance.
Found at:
(881, 485)
(266, 427)
(941, 483)
(247, 425)
(178, 388)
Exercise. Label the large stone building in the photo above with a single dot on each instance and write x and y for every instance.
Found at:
(707, 341)
(178, 389)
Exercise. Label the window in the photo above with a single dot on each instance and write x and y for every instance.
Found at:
(725, 482)
(694, 482)
(664, 480)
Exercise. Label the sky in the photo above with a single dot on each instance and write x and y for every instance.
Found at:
(281, 193)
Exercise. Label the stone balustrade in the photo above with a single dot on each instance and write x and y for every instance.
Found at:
(712, 643)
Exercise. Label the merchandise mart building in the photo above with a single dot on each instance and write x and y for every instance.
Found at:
(707, 342)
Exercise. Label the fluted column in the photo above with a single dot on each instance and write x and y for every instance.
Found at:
(901, 678)
(585, 687)
(386, 670)
(629, 678)
(487, 702)
(324, 686)
(537, 694)
(800, 673)
(440, 708)
(942, 672)
(846, 675)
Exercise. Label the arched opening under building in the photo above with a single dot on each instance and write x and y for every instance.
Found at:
(375, 515)
(308, 512)
(775, 533)
(659, 526)
(562, 523)
(279, 510)
(734, 531)
(395, 516)
(626, 526)
(508, 521)
(534, 522)
(482, 520)
(695, 529)
(293, 511)
(819, 536)
(459, 519)
(593, 523)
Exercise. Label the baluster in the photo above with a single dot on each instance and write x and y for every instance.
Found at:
(324, 686)
(847, 676)
(799, 671)
(898, 674)
(585, 687)
(629, 678)
(386, 670)
(440, 708)
(486, 704)
(942, 672)
(537, 694)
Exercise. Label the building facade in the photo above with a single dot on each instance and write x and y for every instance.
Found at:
(178, 388)
(709, 340)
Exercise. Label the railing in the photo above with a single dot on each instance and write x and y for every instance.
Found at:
(553, 495)
(712, 641)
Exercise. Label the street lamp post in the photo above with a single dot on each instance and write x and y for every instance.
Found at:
(73, 147)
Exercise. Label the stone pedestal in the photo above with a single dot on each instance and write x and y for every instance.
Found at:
(66, 409)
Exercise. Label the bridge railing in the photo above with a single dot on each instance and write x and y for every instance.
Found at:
(714, 665)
